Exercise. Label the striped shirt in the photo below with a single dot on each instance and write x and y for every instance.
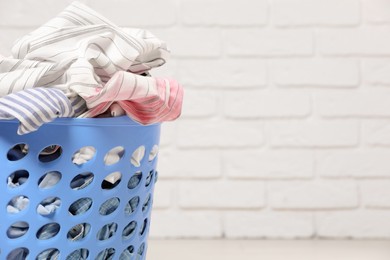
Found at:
(34, 107)
(82, 54)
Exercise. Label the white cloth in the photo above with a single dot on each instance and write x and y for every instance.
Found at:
(86, 153)
(83, 155)
(17, 204)
(114, 155)
(77, 52)
(137, 156)
(94, 62)
(153, 153)
(49, 180)
(113, 177)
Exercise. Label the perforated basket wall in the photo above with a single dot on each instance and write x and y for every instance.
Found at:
(54, 208)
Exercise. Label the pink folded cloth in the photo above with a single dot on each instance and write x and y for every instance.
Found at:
(146, 100)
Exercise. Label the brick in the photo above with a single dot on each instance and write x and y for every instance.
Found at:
(191, 42)
(316, 12)
(299, 195)
(350, 163)
(219, 12)
(316, 72)
(30, 13)
(219, 133)
(168, 134)
(355, 41)
(223, 73)
(376, 132)
(174, 224)
(258, 224)
(266, 103)
(348, 224)
(163, 191)
(268, 164)
(362, 103)
(199, 103)
(268, 42)
(221, 194)
(376, 11)
(190, 164)
(376, 71)
(138, 14)
(375, 193)
(329, 133)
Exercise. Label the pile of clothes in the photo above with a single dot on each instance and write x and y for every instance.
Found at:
(79, 64)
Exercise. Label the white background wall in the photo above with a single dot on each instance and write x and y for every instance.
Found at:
(285, 131)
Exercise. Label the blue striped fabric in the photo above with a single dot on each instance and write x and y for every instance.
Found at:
(34, 107)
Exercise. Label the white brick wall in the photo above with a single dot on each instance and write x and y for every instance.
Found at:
(285, 131)
(312, 195)
(357, 41)
(315, 72)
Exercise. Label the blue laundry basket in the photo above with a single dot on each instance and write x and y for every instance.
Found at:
(90, 210)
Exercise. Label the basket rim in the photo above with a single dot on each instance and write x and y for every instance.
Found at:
(106, 121)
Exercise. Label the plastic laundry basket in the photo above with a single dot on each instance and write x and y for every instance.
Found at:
(117, 233)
